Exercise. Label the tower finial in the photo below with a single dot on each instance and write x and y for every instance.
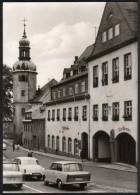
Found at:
(24, 33)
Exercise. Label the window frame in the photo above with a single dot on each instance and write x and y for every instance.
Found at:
(95, 112)
(115, 70)
(127, 66)
(105, 73)
(95, 76)
(105, 112)
(84, 113)
(128, 110)
(115, 111)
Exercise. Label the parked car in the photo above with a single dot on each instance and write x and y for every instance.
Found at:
(67, 173)
(4, 146)
(30, 167)
(12, 175)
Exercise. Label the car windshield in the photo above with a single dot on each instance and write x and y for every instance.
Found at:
(73, 167)
(30, 161)
(10, 167)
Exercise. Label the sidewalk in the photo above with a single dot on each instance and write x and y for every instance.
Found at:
(115, 166)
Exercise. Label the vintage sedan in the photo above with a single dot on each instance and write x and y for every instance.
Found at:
(67, 173)
(30, 167)
(12, 175)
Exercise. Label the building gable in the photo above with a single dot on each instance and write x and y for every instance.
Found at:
(123, 14)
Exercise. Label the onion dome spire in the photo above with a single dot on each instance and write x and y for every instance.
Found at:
(24, 32)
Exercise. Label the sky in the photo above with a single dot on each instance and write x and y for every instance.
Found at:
(57, 33)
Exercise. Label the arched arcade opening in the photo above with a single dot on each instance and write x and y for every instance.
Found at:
(126, 148)
(101, 147)
(84, 144)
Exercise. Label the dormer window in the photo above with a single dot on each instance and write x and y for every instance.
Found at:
(104, 37)
(59, 94)
(117, 30)
(54, 95)
(70, 91)
(83, 86)
(76, 88)
(110, 33)
(64, 92)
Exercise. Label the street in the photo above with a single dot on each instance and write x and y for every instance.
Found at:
(102, 180)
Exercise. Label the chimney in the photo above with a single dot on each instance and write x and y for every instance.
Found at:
(76, 59)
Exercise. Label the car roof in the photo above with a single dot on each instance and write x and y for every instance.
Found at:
(8, 162)
(66, 162)
(25, 157)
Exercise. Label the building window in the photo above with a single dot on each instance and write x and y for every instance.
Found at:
(115, 111)
(84, 116)
(95, 76)
(22, 92)
(54, 95)
(127, 66)
(115, 70)
(75, 146)
(64, 92)
(22, 111)
(48, 141)
(95, 112)
(23, 78)
(104, 37)
(69, 145)
(117, 30)
(53, 115)
(110, 33)
(105, 73)
(64, 114)
(64, 144)
(76, 88)
(76, 113)
(53, 142)
(83, 86)
(57, 143)
(59, 94)
(105, 112)
(58, 114)
(127, 110)
(49, 114)
(69, 114)
(70, 91)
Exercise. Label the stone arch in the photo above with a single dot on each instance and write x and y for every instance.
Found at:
(126, 148)
(101, 147)
(84, 144)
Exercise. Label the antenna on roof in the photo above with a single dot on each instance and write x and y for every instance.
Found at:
(95, 31)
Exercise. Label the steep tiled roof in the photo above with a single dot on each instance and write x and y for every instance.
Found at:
(87, 52)
(123, 13)
(44, 94)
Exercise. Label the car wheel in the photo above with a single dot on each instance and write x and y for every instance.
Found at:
(59, 184)
(83, 186)
(46, 183)
(19, 186)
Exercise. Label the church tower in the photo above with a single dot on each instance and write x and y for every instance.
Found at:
(24, 85)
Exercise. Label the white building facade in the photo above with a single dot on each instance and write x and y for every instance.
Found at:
(113, 87)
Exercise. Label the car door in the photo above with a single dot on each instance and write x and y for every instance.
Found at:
(50, 176)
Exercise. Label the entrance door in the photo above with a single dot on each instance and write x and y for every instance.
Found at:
(85, 145)
(101, 147)
(126, 149)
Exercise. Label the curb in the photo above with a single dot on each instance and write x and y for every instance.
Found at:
(122, 166)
